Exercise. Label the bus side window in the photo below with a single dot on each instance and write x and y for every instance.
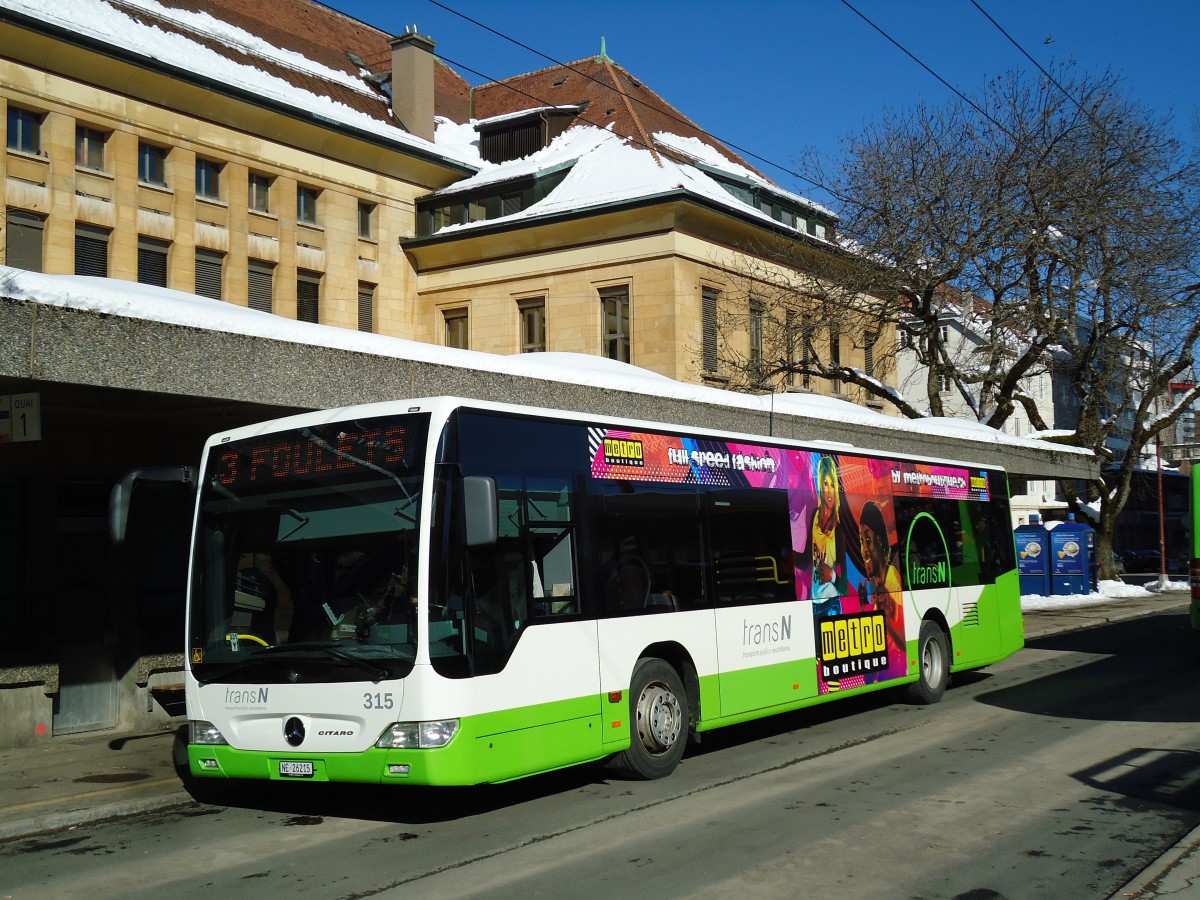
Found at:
(647, 539)
(751, 550)
(550, 516)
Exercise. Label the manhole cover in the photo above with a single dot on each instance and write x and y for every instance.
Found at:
(113, 777)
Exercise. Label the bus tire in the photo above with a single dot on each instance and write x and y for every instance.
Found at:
(658, 721)
(933, 656)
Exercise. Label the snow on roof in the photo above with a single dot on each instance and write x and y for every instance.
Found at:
(605, 169)
(205, 25)
(102, 22)
(522, 113)
(706, 153)
(460, 141)
(138, 301)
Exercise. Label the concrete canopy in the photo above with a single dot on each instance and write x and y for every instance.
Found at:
(69, 346)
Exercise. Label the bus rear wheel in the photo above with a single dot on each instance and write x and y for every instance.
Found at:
(933, 653)
(657, 720)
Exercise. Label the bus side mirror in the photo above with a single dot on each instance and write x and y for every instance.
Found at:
(122, 492)
(480, 511)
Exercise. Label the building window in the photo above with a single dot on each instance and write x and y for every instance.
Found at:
(24, 231)
(260, 287)
(260, 193)
(24, 130)
(791, 337)
(366, 306)
(152, 261)
(805, 359)
(835, 358)
(91, 250)
(152, 164)
(756, 340)
(616, 333)
(308, 296)
(366, 220)
(869, 340)
(89, 148)
(209, 265)
(456, 328)
(306, 205)
(708, 314)
(208, 179)
(943, 384)
(533, 325)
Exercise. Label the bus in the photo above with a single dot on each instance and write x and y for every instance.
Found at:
(445, 591)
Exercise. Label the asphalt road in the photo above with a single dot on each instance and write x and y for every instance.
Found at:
(1062, 772)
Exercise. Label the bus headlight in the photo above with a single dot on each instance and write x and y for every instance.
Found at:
(201, 732)
(411, 735)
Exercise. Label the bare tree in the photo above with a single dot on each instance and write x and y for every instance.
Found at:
(1054, 217)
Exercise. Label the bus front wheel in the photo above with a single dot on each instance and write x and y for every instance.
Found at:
(657, 720)
(933, 654)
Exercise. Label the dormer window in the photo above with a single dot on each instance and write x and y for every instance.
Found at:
(493, 202)
(517, 135)
(783, 209)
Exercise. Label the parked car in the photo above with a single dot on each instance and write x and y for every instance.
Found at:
(1143, 561)
(1140, 561)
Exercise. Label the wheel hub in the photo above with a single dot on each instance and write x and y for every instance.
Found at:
(660, 720)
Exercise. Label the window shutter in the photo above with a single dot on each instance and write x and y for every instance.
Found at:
(152, 262)
(308, 292)
(91, 251)
(366, 307)
(208, 274)
(24, 250)
(259, 285)
(708, 302)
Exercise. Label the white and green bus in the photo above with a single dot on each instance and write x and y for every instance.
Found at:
(452, 592)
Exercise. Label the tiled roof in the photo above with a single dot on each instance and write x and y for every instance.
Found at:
(613, 96)
(329, 38)
(319, 33)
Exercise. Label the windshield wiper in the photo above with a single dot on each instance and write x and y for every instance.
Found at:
(303, 520)
(329, 649)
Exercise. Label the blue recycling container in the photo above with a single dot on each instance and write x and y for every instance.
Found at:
(1033, 557)
(1072, 546)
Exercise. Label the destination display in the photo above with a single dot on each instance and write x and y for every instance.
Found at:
(376, 445)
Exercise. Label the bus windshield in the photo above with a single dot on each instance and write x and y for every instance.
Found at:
(306, 554)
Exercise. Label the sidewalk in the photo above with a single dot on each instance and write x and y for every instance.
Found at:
(73, 782)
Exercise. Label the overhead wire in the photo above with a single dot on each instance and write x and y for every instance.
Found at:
(1026, 54)
(895, 43)
(1089, 114)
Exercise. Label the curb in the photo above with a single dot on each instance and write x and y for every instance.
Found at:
(90, 808)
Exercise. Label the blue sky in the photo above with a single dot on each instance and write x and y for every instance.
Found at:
(775, 77)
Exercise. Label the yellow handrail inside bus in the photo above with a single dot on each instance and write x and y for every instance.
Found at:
(248, 637)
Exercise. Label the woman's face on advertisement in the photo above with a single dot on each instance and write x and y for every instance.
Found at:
(828, 490)
(871, 551)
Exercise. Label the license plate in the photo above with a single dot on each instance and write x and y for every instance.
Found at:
(291, 769)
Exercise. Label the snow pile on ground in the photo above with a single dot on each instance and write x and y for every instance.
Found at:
(1109, 590)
